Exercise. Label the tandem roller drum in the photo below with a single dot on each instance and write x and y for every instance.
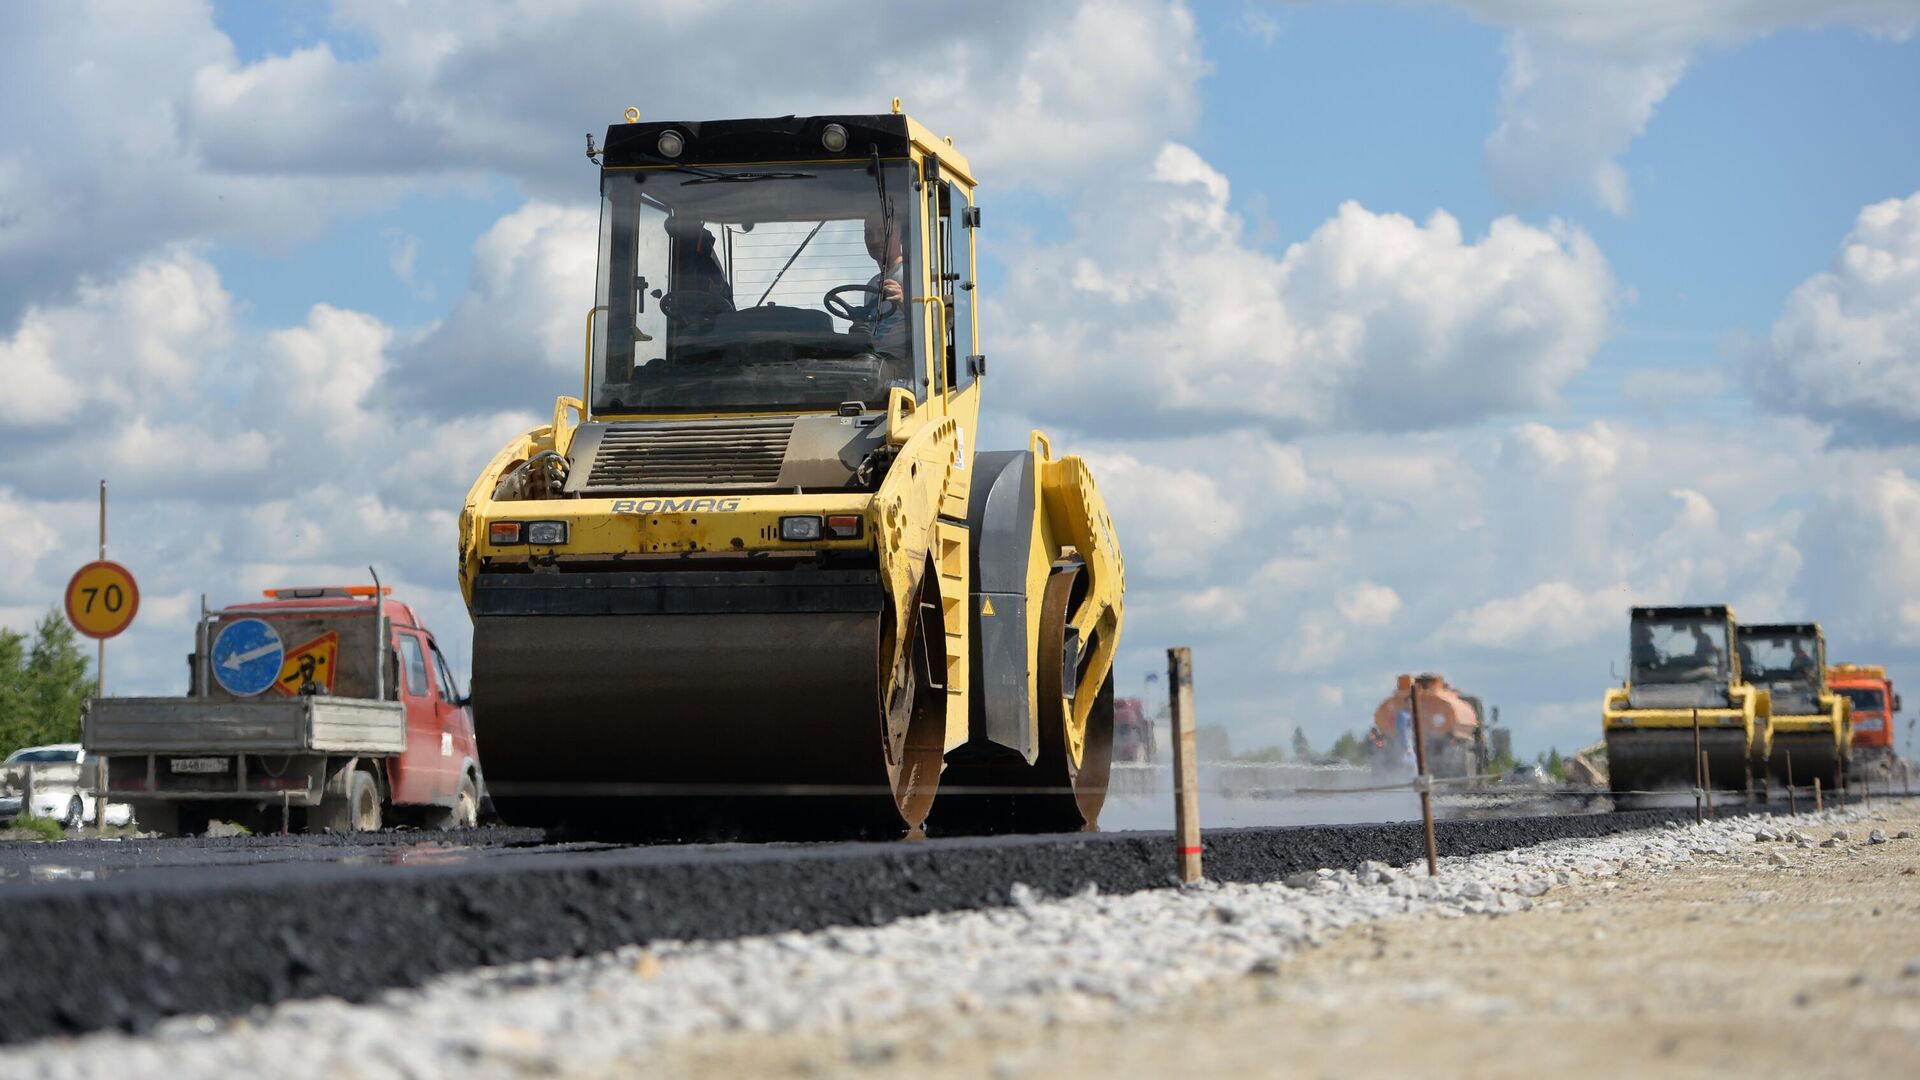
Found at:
(661, 724)
(1815, 755)
(1652, 760)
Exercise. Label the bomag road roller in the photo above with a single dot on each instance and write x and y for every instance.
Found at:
(1681, 668)
(1811, 725)
(759, 578)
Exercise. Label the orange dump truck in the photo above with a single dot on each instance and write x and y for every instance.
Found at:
(1874, 703)
(1450, 720)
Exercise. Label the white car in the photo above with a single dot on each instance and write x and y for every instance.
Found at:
(62, 786)
(1526, 775)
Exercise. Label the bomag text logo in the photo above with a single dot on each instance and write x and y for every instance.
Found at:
(673, 506)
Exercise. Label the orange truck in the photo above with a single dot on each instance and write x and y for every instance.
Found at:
(1874, 703)
(1456, 738)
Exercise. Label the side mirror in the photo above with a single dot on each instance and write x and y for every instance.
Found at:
(1896, 703)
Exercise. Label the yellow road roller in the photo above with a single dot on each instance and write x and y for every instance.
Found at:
(1683, 671)
(759, 579)
(1812, 726)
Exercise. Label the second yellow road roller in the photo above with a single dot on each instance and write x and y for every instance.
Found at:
(1812, 726)
(759, 577)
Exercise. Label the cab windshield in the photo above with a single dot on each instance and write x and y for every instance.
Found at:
(754, 288)
(1678, 650)
(1780, 658)
(1866, 700)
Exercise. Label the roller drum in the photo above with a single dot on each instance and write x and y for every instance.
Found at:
(1653, 760)
(662, 724)
(1815, 754)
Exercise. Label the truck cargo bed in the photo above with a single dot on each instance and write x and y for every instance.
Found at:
(177, 725)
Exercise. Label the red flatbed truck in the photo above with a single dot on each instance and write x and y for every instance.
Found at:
(329, 709)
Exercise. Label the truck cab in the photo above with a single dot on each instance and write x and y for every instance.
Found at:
(1874, 700)
(334, 705)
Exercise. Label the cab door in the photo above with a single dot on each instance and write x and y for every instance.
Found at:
(418, 775)
(456, 722)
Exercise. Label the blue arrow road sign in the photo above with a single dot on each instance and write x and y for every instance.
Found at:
(247, 657)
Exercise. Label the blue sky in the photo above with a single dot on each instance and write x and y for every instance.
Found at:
(1649, 378)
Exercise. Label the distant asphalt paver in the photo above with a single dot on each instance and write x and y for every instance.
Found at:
(122, 934)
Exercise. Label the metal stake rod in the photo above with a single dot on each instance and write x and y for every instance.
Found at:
(100, 675)
(1186, 771)
(1424, 784)
(1793, 804)
(1699, 768)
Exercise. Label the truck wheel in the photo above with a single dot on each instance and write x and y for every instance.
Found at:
(358, 812)
(465, 811)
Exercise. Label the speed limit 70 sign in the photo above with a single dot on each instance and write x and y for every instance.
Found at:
(101, 599)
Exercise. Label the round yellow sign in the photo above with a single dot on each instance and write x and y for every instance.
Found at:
(102, 599)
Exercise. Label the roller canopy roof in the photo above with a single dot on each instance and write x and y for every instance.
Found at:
(772, 139)
(1709, 611)
(1780, 628)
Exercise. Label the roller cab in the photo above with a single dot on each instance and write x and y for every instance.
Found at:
(1681, 666)
(1812, 725)
(758, 573)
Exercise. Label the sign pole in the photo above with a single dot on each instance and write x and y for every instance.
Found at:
(100, 676)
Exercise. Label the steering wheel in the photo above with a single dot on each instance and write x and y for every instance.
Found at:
(839, 306)
(693, 306)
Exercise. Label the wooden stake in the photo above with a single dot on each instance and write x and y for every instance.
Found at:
(1818, 804)
(1186, 771)
(1793, 804)
(1424, 785)
(1706, 770)
(1699, 768)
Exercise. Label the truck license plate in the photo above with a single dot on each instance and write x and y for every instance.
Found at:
(202, 765)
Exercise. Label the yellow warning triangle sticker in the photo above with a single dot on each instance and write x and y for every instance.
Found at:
(310, 663)
(986, 605)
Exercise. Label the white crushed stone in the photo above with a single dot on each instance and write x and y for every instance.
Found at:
(1043, 961)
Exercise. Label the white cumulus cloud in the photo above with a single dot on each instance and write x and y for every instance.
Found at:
(1375, 321)
(1846, 346)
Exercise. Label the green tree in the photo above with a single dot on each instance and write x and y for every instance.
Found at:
(1351, 749)
(42, 684)
(1271, 755)
(1302, 749)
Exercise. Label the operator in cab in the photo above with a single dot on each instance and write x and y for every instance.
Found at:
(887, 308)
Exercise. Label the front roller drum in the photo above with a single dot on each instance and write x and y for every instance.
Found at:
(1650, 760)
(1815, 755)
(704, 726)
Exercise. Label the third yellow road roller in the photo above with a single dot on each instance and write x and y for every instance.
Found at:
(759, 578)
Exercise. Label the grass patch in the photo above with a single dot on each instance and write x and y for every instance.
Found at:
(33, 828)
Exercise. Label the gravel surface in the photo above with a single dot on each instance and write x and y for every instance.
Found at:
(1036, 962)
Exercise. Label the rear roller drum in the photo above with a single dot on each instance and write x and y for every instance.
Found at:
(1065, 787)
(915, 738)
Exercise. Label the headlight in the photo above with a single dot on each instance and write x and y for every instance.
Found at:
(799, 528)
(671, 143)
(546, 532)
(834, 138)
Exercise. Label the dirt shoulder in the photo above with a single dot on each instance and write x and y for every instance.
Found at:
(1775, 960)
